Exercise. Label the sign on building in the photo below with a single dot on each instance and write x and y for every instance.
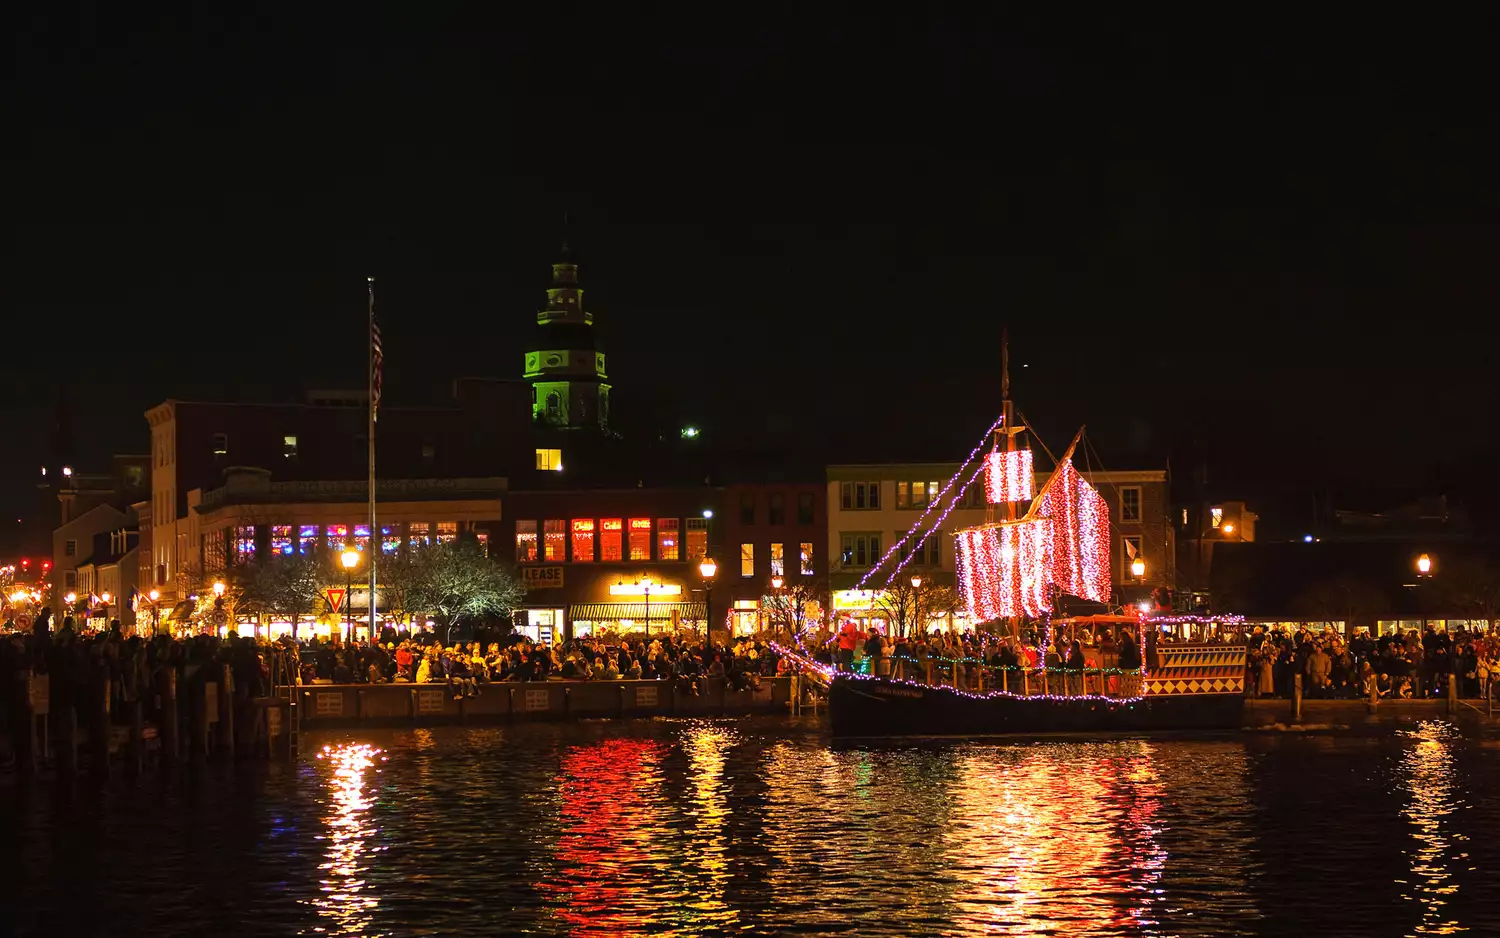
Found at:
(538, 578)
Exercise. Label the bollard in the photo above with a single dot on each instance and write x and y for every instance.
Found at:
(1452, 693)
(226, 711)
(1374, 691)
(981, 678)
(99, 730)
(929, 672)
(171, 749)
(1025, 682)
(1296, 698)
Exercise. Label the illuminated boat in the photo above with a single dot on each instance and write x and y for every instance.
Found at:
(1016, 567)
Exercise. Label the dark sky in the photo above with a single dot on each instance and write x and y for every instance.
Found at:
(1269, 244)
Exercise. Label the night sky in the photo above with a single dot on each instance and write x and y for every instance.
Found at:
(1266, 246)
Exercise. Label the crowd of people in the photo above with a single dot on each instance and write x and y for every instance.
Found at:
(1402, 665)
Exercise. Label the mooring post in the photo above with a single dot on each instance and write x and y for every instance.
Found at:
(1296, 697)
(1452, 693)
(170, 743)
(1374, 692)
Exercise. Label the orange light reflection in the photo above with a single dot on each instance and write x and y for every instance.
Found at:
(345, 901)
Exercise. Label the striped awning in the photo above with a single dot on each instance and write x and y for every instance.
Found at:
(614, 612)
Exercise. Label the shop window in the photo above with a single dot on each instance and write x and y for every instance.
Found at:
(1130, 503)
(554, 540)
(805, 508)
(337, 537)
(447, 532)
(361, 537)
(583, 540)
(244, 542)
(483, 537)
(390, 540)
(776, 510)
(611, 540)
(806, 558)
(697, 538)
(419, 534)
(668, 547)
(525, 542)
(778, 560)
(281, 539)
(307, 539)
(747, 560)
(640, 538)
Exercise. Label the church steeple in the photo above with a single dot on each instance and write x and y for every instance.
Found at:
(563, 361)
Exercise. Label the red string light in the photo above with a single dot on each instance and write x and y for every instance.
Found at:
(1007, 476)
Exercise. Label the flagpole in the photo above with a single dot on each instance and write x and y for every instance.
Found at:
(377, 543)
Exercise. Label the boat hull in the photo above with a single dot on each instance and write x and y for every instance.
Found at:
(879, 707)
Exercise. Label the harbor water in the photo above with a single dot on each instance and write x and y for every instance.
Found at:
(763, 826)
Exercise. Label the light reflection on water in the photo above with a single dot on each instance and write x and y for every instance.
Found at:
(748, 826)
(1428, 776)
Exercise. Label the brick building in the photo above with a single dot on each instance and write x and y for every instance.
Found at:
(773, 529)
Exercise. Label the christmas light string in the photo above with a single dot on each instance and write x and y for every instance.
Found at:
(936, 527)
(829, 674)
(973, 454)
(1194, 620)
(1007, 476)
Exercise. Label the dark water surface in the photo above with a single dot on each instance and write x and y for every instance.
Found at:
(760, 826)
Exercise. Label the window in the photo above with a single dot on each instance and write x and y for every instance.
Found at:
(361, 536)
(221, 444)
(307, 539)
(338, 536)
(288, 447)
(668, 547)
(747, 560)
(447, 532)
(806, 552)
(525, 541)
(1130, 549)
(776, 511)
(554, 540)
(281, 539)
(805, 508)
(611, 535)
(483, 537)
(697, 538)
(70, 580)
(778, 560)
(244, 542)
(859, 496)
(747, 508)
(1130, 503)
(429, 451)
(583, 539)
(70, 548)
(419, 534)
(549, 460)
(1216, 517)
(640, 538)
(860, 550)
(925, 554)
(390, 540)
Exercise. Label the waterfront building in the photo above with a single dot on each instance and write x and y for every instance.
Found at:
(872, 506)
(776, 557)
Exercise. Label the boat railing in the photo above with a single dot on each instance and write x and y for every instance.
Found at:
(977, 676)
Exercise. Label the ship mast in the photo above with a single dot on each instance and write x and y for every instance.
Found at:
(1009, 428)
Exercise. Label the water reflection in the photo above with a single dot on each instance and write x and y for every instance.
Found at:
(1428, 777)
(707, 745)
(609, 852)
(344, 899)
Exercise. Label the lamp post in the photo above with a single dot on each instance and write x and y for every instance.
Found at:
(916, 602)
(351, 560)
(155, 595)
(646, 588)
(106, 598)
(707, 569)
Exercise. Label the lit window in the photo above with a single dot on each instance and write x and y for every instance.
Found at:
(667, 545)
(338, 536)
(221, 445)
(244, 542)
(390, 540)
(1216, 516)
(483, 537)
(554, 541)
(288, 446)
(361, 536)
(1131, 548)
(611, 540)
(747, 560)
(1130, 503)
(307, 539)
(420, 533)
(640, 538)
(583, 539)
(281, 539)
(447, 532)
(697, 538)
(806, 553)
(525, 541)
(549, 460)
(778, 560)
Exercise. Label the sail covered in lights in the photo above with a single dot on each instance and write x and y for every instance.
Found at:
(1007, 476)
(1013, 568)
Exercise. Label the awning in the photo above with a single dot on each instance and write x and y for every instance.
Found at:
(613, 612)
(180, 612)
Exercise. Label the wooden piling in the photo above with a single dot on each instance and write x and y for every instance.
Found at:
(1374, 692)
(171, 743)
(226, 711)
(1452, 693)
(1296, 698)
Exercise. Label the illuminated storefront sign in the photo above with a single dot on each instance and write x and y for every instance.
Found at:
(855, 600)
(640, 589)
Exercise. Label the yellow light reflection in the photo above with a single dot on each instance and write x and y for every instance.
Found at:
(1427, 776)
(345, 900)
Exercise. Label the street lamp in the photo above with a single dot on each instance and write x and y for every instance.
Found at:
(218, 589)
(154, 595)
(777, 582)
(1424, 565)
(106, 599)
(1138, 568)
(351, 560)
(916, 603)
(646, 588)
(707, 569)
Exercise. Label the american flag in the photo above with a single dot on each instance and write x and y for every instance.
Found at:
(377, 356)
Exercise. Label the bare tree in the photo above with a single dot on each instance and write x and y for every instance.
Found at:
(788, 607)
(1342, 599)
(457, 582)
(1469, 587)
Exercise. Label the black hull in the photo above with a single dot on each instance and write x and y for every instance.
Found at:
(877, 707)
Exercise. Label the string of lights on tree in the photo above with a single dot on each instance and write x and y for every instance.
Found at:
(932, 506)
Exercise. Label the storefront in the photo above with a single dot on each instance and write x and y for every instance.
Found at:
(572, 601)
